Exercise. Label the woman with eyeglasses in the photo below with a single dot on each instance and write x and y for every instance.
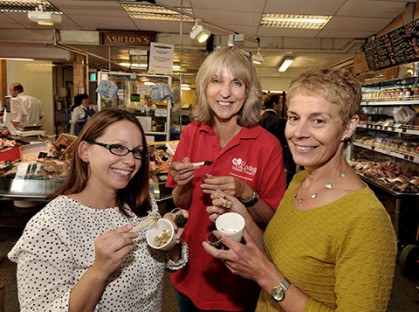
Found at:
(242, 159)
(79, 253)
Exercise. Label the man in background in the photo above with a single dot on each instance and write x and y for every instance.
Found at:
(31, 105)
(271, 121)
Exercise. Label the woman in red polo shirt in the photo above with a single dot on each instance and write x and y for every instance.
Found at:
(240, 158)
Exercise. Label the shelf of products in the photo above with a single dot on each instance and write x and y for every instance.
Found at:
(385, 150)
(149, 97)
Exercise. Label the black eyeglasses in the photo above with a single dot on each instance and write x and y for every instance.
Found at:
(121, 150)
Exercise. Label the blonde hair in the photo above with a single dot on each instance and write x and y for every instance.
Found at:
(337, 86)
(238, 62)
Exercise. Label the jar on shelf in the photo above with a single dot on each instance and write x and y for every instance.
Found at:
(407, 92)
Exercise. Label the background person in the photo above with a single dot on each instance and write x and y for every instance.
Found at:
(272, 120)
(246, 161)
(331, 245)
(31, 105)
(78, 253)
(81, 112)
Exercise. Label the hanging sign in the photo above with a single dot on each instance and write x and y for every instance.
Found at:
(138, 38)
(161, 58)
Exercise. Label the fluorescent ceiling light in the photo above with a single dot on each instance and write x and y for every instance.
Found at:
(199, 33)
(26, 6)
(286, 63)
(185, 86)
(17, 59)
(144, 66)
(156, 12)
(294, 21)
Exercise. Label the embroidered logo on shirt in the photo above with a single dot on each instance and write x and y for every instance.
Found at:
(240, 165)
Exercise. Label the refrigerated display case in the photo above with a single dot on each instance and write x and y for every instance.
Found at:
(385, 151)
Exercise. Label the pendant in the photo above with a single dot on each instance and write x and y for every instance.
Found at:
(342, 174)
(313, 196)
(328, 186)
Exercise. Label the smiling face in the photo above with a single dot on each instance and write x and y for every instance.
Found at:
(109, 172)
(315, 130)
(226, 95)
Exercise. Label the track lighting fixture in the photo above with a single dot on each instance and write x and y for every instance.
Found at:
(257, 58)
(286, 63)
(199, 33)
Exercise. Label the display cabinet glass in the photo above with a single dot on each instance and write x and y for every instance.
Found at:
(385, 150)
(149, 97)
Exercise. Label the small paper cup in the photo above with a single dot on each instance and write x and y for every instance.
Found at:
(161, 235)
(230, 224)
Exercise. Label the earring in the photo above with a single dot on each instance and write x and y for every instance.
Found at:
(347, 140)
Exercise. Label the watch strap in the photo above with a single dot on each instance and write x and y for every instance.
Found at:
(285, 285)
(253, 201)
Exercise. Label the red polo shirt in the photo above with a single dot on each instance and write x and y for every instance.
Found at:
(253, 156)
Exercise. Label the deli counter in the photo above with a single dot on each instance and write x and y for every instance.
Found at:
(32, 171)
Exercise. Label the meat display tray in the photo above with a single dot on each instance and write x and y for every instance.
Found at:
(385, 187)
(27, 188)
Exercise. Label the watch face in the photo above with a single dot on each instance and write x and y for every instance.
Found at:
(278, 293)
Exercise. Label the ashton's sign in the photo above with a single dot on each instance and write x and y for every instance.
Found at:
(138, 38)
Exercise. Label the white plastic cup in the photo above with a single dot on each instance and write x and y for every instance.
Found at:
(157, 229)
(231, 224)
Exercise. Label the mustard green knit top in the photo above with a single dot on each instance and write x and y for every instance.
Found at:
(342, 255)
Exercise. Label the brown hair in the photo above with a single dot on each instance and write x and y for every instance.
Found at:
(337, 86)
(136, 194)
(240, 65)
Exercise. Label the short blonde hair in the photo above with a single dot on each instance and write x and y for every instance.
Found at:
(337, 86)
(240, 65)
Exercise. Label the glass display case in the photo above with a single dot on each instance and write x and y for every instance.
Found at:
(149, 97)
(385, 150)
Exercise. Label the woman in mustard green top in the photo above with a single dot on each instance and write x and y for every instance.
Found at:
(330, 245)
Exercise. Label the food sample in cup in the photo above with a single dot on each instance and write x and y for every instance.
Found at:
(162, 238)
(179, 219)
(214, 241)
(226, 203)
(231, 224)
(161, 235)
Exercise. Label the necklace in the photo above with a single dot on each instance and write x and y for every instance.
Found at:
(327, 186)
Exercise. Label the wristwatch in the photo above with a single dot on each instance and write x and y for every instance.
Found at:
(253, 201)
(278, 292)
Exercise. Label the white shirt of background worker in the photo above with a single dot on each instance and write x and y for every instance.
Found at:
(31, 104)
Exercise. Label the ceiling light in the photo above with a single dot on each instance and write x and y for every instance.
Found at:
(185, 86)
(257, 58)
(285, 64)
(294, 21)
(26, 6)
(42, 17)
(17, 59)
(199, 33)
(156, 12)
